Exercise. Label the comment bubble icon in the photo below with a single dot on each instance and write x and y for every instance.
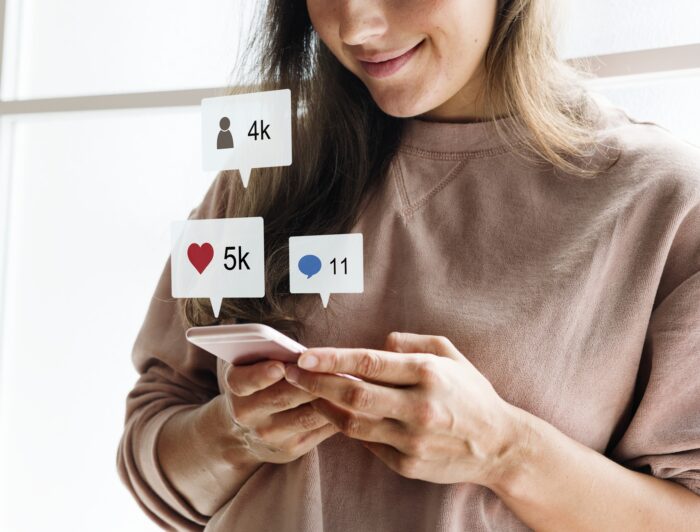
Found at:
(326, 264)
(310, 265)
(217, 258)
(247, 131)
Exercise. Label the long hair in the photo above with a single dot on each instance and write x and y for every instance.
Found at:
(343, 143)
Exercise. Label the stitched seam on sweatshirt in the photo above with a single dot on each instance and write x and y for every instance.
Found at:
(459, 155)
(400, 184)
(411, 209)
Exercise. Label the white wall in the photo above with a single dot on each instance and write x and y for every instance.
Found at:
(91, 201)
(78, 47)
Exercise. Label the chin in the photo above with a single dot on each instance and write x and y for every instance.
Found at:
(401, 106)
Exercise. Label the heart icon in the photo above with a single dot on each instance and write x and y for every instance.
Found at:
(200, 256)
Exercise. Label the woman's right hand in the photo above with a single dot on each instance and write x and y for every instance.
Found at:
(208, 452)
(272, 420)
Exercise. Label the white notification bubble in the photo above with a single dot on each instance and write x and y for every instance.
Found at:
(246, 131)
(326, 264)
(218, 258)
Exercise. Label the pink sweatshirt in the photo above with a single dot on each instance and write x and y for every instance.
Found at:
(579, 299)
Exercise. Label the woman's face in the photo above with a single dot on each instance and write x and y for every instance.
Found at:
(416, 57)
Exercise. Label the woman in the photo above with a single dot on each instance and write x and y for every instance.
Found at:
(541, 247)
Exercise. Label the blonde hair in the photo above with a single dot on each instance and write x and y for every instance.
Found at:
(526, 77)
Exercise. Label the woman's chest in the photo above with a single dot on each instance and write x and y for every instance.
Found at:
(557, 328)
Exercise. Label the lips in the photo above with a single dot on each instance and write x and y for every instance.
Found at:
(383, 69)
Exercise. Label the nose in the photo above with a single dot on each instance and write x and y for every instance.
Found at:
(361, 21)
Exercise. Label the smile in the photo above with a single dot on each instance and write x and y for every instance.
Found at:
(383, 69)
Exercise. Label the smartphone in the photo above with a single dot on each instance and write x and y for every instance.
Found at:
(245, 343)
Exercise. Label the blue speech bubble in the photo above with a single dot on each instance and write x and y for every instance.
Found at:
(309, 265)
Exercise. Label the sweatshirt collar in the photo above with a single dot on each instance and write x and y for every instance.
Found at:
(464, 138)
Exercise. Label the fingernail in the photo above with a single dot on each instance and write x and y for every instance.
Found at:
(308, 361)
(275, 371)
(292, 374)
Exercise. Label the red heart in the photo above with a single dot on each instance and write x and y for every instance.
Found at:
(200, 256)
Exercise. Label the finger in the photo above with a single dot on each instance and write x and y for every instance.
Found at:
(405, 465)
(360, 396)
(279, 397)
(281, 425)
(403, 342)
(246, 380)
(367, 427)
(307, 441)
(369, 364)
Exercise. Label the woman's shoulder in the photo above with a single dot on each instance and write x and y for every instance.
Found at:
(657, 180)
(648, 151)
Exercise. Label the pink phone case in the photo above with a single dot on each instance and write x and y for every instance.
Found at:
(245, 343)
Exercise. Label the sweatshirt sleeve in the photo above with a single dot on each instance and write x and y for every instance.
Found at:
(174, 375)
(663, 436)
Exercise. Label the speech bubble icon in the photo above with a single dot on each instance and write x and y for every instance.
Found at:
(218, 258)
(246, 131)
(309, 265)
(326, 264)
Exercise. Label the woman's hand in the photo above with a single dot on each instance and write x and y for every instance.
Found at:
(208, 452)
(272, 420)
(423, 408)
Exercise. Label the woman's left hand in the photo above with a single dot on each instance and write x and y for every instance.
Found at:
(422, 408)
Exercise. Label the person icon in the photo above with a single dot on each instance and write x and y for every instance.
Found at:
(225, 139)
